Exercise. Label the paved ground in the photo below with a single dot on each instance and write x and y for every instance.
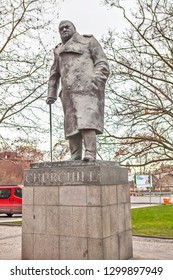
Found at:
(136, 205)
(10, 242)
(146, 248)
(4, 218)
(143, 248)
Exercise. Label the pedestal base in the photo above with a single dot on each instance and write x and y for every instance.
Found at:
(76, 211)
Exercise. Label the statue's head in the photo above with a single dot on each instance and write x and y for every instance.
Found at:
(66, 30)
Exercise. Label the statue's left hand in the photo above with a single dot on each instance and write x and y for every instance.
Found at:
(50, 100)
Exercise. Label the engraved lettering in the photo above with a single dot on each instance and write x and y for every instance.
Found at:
(45, 178)
(60, 177)
(82, 176)
(37, 178)
(48, 177)
(69, 176)
(73, 176)
(91, 177)
(78, 176)
(53, 177)
(29, 178)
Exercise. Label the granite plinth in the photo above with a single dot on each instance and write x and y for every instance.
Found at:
(75, 173)
(82, 211)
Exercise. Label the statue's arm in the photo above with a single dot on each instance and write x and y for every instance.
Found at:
(54, 79)
(101, 66)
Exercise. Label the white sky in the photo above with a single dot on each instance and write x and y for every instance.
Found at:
(91, 16)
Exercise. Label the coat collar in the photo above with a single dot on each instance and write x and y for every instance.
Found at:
(73, 44)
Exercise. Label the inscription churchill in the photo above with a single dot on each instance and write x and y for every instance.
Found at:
(59, 177)
(81, 66)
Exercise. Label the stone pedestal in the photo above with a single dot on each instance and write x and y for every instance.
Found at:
(76, 210)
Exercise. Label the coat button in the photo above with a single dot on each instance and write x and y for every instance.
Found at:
(69, 87)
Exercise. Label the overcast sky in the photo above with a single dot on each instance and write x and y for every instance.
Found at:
(91, 16)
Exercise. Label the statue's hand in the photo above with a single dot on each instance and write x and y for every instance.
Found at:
(94, 83)
(50, 100)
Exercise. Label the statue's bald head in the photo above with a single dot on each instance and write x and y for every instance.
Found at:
(68, 22)
(66, 30)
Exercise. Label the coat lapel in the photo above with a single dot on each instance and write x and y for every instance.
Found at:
(72, 45)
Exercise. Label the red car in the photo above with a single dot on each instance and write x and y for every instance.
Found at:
(10, 199)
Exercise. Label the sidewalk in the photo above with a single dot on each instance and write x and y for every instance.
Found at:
(144, 248)
(148, 248)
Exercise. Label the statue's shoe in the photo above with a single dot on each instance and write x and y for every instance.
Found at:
(76, 158)
(89, 158)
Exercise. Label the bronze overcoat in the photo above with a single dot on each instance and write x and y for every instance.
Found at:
(82, 68)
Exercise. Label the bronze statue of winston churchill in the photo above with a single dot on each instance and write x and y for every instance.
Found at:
(82, 68)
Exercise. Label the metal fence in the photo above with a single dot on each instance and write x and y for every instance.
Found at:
(151, 197)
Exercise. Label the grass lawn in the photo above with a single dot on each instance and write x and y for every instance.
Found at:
(154, 220)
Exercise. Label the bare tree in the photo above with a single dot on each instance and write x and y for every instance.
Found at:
(27, 150)
(139, 117)
(25, 49)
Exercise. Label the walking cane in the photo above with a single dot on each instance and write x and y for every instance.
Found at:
(50, 116)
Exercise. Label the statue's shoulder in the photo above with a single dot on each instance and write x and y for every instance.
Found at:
(87, 35)
(57, 46)
(57, 49)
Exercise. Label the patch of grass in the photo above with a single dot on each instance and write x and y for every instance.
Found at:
(17, 223)
(154, 220)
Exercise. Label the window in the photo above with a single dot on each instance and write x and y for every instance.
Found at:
(4, 194)
(18, 192)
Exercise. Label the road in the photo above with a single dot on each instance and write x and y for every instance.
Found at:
(4, 218)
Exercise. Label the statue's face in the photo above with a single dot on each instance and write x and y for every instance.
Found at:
(66, 30)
